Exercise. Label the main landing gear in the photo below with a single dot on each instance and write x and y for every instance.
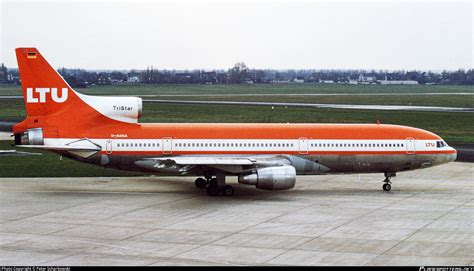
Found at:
(387, 182)
(215, 186)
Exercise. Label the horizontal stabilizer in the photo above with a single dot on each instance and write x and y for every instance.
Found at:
(62, 147)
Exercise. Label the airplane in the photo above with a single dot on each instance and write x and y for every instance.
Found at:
(104, 131)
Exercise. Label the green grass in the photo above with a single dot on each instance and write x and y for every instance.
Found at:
(49, 165)
(424, 100)
(12, 110)
(264, 93)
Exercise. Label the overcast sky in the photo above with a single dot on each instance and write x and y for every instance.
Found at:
(264, 34)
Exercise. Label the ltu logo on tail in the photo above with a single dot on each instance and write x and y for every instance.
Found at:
(38, 95)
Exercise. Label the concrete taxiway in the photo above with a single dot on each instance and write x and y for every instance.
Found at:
(326, 106)
(427, 219)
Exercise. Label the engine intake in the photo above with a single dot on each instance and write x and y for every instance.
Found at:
(271, 178)
(32, 136)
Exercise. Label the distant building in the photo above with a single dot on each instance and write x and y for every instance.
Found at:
(298, 80)
(326, 81)
(398, 82)
(133, 79)
(366, 80)
(353, 82)
(3, 74)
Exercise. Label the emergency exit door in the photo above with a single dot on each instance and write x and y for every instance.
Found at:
(167, 145)
(410, 143)
(108, 146)
(303, 145)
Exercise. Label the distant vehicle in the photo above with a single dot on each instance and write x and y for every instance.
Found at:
(105, 131)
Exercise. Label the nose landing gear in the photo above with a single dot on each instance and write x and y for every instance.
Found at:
(387, 182)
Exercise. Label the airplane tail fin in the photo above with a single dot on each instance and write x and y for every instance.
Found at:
(50, 100)
(44, 90)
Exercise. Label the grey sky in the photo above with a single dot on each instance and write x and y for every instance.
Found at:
(263, 34)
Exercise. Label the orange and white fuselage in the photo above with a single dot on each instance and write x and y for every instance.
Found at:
(105, 131)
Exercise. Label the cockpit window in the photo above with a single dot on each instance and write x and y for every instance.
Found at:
(440, 144)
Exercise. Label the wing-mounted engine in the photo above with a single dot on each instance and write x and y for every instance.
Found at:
(271, 178)
(126, 109)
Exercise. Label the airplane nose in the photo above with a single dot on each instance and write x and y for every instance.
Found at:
(453, 155)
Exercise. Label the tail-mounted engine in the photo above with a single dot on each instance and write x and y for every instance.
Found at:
(126, 109)
(32, 136)
(271, 178)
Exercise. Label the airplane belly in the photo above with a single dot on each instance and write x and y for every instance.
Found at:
(335, 163)
(367, 163)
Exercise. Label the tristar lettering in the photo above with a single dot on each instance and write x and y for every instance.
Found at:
(38, 95)
(122, 108)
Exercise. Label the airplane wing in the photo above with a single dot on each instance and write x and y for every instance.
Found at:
(185, 164)
(206, 160)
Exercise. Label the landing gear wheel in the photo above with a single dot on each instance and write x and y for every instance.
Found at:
(213, 182)
(387, 187)
(212, 190)
(228, 190)
(200, 183)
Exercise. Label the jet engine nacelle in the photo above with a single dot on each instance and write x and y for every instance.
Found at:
(126, 109)
(32, 136)
(271, 178)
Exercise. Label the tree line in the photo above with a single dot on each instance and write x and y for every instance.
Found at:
(240, 73)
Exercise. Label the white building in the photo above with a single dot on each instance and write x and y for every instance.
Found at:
(133, 79)
(298, 80)
(398, 82)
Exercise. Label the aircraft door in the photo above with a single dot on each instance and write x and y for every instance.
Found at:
(410, 145)
(303, 145)
(167, 145)
(108, 147)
